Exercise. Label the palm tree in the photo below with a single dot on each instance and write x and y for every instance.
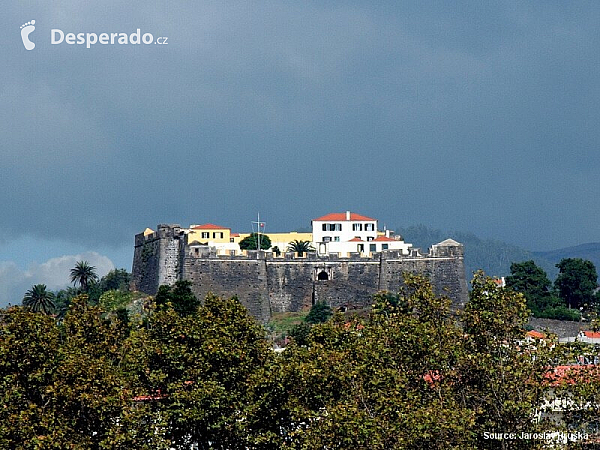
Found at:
(39, 299)
(84, 275)
(300, 247)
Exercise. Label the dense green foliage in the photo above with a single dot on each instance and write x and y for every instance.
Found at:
(410, 375)
(38, 298)
(115, 280)
(115, 284)
(320, 312)
(83, 274)
(251, 242)
(179, 297)
(573, 289)
(300, 247)
(577, 282)
(532, 281)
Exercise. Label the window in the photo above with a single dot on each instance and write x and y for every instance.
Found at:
(324, 227)
(218, 235)
(360, 248)
(231, 240)
(357, 227)
(372, 247)
(384, 246)
(369, 238)
(336, 239)
(369, 227)
(205, 235)
(326, 238)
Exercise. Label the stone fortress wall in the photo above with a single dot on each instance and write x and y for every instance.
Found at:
(266, 284)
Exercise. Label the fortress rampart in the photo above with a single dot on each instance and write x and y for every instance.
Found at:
(266, 284)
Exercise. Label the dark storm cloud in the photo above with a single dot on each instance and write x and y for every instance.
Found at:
(456, 115)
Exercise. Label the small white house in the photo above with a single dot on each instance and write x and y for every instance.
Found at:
(348, 232)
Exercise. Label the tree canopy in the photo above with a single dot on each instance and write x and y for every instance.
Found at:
(529, 279)
(576, 282)
(320, 312)
(38, 298)
(300, 247)
(251, 242)
(115, 280)
(411, 374)
(83, 274)
(179, 297)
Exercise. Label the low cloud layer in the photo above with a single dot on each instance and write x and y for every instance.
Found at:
(54, 273)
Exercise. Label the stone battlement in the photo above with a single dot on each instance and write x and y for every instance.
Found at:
(266, 283)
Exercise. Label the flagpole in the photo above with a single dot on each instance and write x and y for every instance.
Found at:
(258, 225)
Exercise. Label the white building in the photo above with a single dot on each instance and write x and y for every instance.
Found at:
(348, 232)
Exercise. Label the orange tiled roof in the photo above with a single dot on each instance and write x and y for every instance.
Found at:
(535, 334)
(341, 217)
(383, 239)
(209, 226)
(592, 334)
(561, 375)
(356, 239)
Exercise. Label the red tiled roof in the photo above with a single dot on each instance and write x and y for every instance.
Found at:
(384, 239)
(535, 334)
(571, 374)
(592, 334)
(209, 226)
(356, 239)
(341, 217)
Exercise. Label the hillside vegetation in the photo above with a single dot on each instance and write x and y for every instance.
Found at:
(492, 256)
(408, 375)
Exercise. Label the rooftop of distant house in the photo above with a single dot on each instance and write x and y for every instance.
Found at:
(345, 216)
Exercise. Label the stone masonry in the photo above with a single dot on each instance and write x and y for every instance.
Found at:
(266, 284)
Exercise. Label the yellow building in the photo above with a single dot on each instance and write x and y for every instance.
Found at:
(209, 234)
(279, 240)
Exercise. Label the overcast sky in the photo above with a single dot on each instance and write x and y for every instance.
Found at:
(472, 116)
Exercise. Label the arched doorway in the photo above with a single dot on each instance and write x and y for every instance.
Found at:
(323, 276)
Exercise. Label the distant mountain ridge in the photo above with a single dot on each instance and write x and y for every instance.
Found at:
(492, 256)
(590, 251)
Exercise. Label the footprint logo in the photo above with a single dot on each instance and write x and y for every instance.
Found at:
(26, 30)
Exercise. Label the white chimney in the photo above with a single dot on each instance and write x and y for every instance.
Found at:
(347, 215)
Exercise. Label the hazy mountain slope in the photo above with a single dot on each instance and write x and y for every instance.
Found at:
(590, 251)
(494, 257)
